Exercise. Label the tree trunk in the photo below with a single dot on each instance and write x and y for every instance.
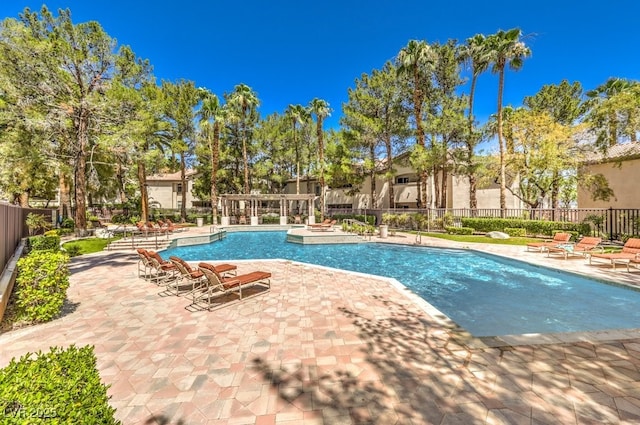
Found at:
(215, 159)
(144, 195)
(321, 165)
(64, 209)
(436, 187)
(417, 110)
(443, 192)
(392, 199)
(183, 181)
(503, 172)
(245, 156)
(374, 197)
(80, 186)
(473, 200)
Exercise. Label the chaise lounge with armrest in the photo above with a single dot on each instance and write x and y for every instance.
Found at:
(217, 285)
(324, 226)
(586, 245)
(559, 238)
(630, 252)
(194, 277)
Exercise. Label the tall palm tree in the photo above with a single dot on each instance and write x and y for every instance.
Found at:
(416, 60)
(246, 100)
(212, 118)
(297, 114)
(321, 110)
(505, 48)
(475, 54)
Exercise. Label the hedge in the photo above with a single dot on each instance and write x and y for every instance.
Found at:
(42, 243)
(58, 387)
(459, 230)
(515, 231)
(371, 219)
(41, 285)
(533, 227)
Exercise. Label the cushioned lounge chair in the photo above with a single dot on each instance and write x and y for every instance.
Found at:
(323, 226)
(586, 245)
(194, 277)
(144, 263)
(558, 239)
(163, 271)
(218, 286)
(630, 252)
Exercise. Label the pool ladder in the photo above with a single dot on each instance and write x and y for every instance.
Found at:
(418, 238)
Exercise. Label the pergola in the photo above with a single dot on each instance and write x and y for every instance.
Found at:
(253, 201)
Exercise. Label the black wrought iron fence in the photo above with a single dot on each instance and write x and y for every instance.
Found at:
(614, 224)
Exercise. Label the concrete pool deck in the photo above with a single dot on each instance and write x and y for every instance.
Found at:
(329, 347)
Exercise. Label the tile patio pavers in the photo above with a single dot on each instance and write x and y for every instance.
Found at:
(323, 347)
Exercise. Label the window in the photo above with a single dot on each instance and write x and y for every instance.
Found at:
(179, 188)
(402, 180)
(317, 190)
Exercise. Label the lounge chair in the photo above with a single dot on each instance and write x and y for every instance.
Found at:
(144, 263)
(559, 238)
(634, 262)
(163, 271)
(586, 245)
(218, 286)
(323, 226)
(630, 252)
(194, 277)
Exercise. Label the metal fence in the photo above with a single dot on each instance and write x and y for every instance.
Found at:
(13, 228)
(612, 223)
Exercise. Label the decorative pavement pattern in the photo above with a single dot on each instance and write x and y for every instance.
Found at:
(328, 347)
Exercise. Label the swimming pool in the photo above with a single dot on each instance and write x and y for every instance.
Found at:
(485, 294)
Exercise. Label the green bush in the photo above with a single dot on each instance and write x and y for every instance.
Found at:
(73, 250)
(67, 223)
(371, 219)
(270, 219)
(532, 227)
(36, 223)
(459, 230)
(41, 285)
(42, 243)
(515, 231)
(58, 387)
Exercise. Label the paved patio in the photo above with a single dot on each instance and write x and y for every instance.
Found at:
(327, 347)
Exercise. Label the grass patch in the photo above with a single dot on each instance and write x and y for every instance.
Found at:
(481, 239)
(88, 246)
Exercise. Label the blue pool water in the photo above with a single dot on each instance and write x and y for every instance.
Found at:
(485, 294)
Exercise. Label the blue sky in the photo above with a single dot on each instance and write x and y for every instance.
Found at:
(292, 51)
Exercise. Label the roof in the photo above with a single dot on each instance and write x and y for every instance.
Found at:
(171, 176)
(630, 150)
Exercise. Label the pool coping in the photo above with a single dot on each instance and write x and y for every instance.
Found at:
(463, 336)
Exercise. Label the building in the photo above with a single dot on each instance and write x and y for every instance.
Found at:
(165, 190)
(620, 166)
(406, 191)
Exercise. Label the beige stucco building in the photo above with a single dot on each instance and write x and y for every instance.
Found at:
(165, 190)
(621, 168)
(406, 192)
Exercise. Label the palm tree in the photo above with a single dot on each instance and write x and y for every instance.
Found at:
(297, 114)
(505, 48)
(212, 118)
(416, 60)
(321, 110)
(475, 53)
(246, 100)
